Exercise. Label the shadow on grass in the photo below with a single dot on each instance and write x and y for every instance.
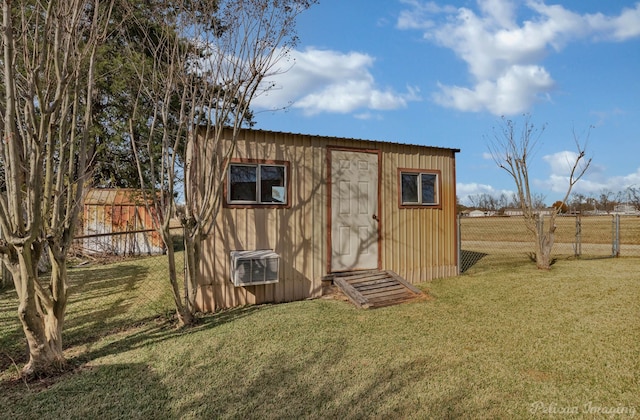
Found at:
(12, 341)
(99, 300)
(156, 330)
(289, 388)
(470, 258)
(103, 301)
(106, 391)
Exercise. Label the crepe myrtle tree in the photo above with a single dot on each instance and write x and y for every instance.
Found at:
(211, 58)
(47, 69)
(511, 148)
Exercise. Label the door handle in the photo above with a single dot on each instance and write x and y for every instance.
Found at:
(375, 218)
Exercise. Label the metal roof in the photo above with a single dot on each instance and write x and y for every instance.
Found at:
(113, 196)
(344, 139)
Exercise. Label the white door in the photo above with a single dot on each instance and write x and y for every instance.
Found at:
(354, 210)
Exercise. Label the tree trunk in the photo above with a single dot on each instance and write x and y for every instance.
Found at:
(544, 243)
(54, 320)
(42, 329)
(192, 266)
(184, 316)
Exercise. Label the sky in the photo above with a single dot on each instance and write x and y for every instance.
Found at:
(446, 73)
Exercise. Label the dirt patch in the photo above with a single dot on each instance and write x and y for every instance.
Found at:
(333, 292)
(538, 375)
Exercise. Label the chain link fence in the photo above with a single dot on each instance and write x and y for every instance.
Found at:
(142, 273)
(586, 237)
(5, 277)
(498, 238)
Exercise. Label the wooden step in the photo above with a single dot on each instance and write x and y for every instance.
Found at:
(375, 289)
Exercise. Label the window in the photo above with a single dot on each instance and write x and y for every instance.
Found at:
(257, 183)
(419, 188)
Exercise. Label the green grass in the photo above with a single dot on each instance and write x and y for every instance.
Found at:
(501, 341)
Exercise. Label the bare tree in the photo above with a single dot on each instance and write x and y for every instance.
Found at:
(577, 202)
(632, 197)
(503, 202)
(606, 200)
(511, 150)
(475, 200)
(538, 201)
(47, 71)
(210, 60)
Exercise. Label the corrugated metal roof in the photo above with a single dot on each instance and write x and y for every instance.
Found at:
(345, 139)
(113, 196)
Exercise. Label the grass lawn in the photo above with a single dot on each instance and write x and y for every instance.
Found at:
(501, 341)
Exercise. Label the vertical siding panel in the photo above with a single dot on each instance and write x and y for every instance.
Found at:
(272, 229)
(406, 228)
(422, 228)
(433, 224)
(301, 259)
(384, 213)
(287, 289)
(416, 220)
(287, 281)
(426, 232)
(241, 292)
(294, 228)
(394, 231)
(439, 225)
(319, 223)
(221, 286)
(384, 198)
(446, 216)
(313, 192)
(302, 275)
(405, 162)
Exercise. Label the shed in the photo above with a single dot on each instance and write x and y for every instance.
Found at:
(321, 205)
(477, 213)
(513, 211)
(118, 222)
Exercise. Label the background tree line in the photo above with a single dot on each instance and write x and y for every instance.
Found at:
(604, 202)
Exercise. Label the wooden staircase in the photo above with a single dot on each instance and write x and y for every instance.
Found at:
(375, 289)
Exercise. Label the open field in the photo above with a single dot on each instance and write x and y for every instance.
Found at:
(508, 235)
(502, 341)
(594, 229)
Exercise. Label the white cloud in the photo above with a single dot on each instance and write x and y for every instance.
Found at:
(418, 17)
(561, 162)
(502, 54)
(463, 191)
(511, 93)
(554, 180)
(618, 28)
(331, 81)
(560, 166)
(367, 116)
(593, 182)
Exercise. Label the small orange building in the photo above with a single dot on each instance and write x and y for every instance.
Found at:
(117, 222)
(299, 207)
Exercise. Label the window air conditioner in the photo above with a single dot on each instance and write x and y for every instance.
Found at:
(249, 268)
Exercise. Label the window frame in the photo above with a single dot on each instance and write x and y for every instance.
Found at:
(419, 172)
(257, 163)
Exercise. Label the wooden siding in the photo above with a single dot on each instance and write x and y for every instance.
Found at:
(417, 243)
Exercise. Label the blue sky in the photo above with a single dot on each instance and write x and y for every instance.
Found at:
(443, 73)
